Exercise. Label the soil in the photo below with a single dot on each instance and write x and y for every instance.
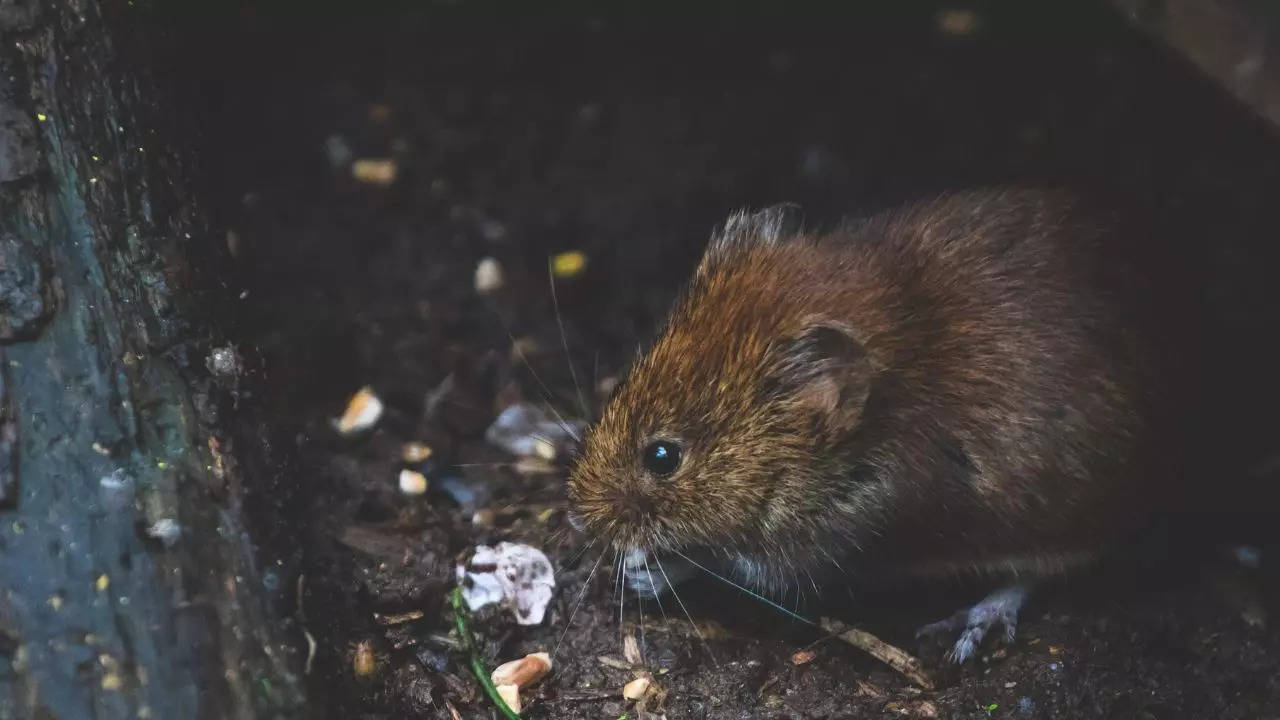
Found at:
(627, 136)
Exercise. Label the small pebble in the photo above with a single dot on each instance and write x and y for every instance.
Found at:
(363, 411)
(415, 452)
(569, 264)
(412, 482)
(374, 171)
(489, 276)
(166, 530)
(523, 672)
(337, 151)
(636, 689)
(957, 22)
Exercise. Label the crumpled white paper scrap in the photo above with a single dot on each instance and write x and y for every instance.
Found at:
(512, 574)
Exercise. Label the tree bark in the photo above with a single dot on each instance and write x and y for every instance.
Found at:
(127, 583)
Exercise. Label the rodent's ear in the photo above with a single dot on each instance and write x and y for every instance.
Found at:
(745, 229)
(826, 369)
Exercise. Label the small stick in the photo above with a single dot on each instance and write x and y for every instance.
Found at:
(893, 656)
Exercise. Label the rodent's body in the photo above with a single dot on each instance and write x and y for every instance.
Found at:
(980, 382)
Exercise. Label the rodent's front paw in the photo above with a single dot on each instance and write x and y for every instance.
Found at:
(999, 608)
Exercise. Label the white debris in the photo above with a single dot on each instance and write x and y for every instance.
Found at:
(516, 576)
(488, 276)
(362, 413)
(166, 530)
(528, 431)
(412, 482)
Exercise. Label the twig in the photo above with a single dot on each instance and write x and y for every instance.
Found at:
(893, 656)
(477, 667)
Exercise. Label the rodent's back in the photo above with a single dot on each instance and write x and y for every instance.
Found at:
(1018, 410)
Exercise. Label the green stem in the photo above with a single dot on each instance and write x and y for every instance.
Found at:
(477, 667)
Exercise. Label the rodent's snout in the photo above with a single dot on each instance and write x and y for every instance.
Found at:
(622, 515)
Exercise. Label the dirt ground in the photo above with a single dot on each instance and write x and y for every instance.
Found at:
(626, 137)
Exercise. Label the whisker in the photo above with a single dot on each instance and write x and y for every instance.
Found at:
(622, 599)
(586, 584)
(656, 596)
(751, 593)
(706, 646)
(564, 341)
(581, 551)
(640, 614)
(546, 392)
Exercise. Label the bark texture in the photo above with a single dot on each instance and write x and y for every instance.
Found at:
(127, 585)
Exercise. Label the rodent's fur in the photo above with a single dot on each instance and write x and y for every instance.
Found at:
(973, 382)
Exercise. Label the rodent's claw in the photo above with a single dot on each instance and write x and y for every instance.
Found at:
(998, 608)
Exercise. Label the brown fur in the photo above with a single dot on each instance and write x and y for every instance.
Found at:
(962, 383)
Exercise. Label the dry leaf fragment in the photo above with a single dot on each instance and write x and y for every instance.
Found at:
(803, 657)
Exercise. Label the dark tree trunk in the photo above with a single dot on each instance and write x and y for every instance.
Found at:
(127, 587)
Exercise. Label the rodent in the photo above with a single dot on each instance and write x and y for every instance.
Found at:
(984, 381)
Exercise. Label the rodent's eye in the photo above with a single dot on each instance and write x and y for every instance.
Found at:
(661, 457)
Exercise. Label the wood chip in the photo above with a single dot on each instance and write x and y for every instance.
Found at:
(523, 672)
(631, 650)
(613, 662)
(897, 658)
(398, 619)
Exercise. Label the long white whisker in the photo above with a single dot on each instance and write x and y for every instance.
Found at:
(640, 614)
(656, 596)
(546, 392)
(622, 599)
(586, 584)
(694, 625)
(751, 593)
(564, 341)
(577, 555)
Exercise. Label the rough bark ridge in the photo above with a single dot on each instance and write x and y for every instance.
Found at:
(127, 587)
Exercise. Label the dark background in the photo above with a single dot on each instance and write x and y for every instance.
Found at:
(627, 133)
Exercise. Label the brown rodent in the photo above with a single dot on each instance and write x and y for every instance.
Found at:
(979, 382)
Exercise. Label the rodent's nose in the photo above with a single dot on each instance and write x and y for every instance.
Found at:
(634, 508)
